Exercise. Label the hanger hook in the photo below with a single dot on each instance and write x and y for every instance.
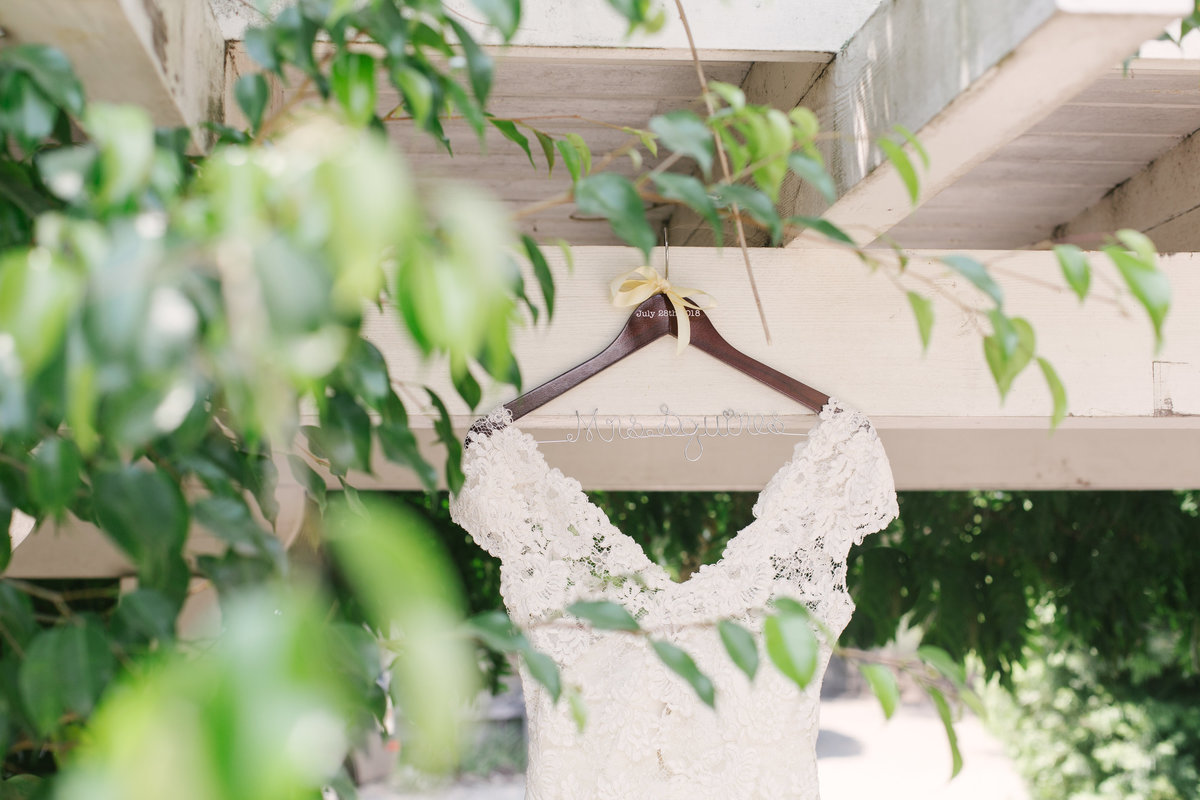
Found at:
(666, 255)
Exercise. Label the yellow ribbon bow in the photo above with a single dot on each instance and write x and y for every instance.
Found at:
(638, 285)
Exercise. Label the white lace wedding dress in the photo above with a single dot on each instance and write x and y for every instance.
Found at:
(648, 736)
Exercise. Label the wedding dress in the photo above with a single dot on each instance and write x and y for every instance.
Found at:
(648, 736)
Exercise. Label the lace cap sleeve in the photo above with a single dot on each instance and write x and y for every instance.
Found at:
(497, 462)
(839, 487)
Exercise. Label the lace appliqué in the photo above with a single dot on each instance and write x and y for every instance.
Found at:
(648, 735)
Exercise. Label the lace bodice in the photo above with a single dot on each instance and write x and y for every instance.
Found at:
(648, 736)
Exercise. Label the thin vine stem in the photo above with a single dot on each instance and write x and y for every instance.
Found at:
(724, 161)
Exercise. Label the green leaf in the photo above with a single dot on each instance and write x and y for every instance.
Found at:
(544, 671)
(365, 373)
(812, 171)
(25, 112)
(400, 445)
(792, 647)
(685, 133)
(568, 255)
(417, 90)
(977, 274)
(262, 47)
(36, 298)
(398, 568)
(21, 787)
(6, 545)
(479, 63)
(541, 270)
(648, 140)
(754, 203)
(144, 512)
(497, 631)
(446, 436)
(252, 93)
(823, 227)
(509, 129)
(613, 197)
(1009, 349)
(689, 190)
(308, 477)
(230, 520)
(503, 15)
(16, 615)
(739, 643)
(604, 615)
(683, 665)
(571, 159)
(883, 683)
(124, 138)
(144, 616)
(1139, 243)
(464, 382)
(345, 434)
(352, 78)
(911, 138)
(1058, 392)
(585, 153)
(922, 308)
(805, 123)
(734, 97)
(1146, 283)
(51, 70)
(943, 709)
(65, 670)
(1075, 268)
(941, 661)
(54, 475)
(904, 168)
(578, 709)
(547, 143)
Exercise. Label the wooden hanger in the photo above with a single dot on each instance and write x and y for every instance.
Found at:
(649, 323)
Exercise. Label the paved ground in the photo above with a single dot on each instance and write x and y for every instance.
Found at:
(861, 757)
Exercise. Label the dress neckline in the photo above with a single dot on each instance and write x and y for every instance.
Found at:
(832, 411)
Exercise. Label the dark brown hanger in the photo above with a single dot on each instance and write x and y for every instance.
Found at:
(649, 323)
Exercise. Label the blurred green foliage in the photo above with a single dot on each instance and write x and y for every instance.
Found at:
(1078, 728)
(170, 324)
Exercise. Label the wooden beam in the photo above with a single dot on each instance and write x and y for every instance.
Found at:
(586, 30)
(77, 549)
(168, 57)
(851, 334)
(966, 91)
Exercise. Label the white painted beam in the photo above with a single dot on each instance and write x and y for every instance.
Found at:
(166, 56)
(969, 85)
(762, 30)
(851, 334)
(77, 549)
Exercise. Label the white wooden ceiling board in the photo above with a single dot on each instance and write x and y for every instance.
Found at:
(993, 196)
(464, 140)
(958, 237)
(1142, 148)
(1167, 119)
(970, 216)
(1000, 171)
(613, 79)
(1179, 234)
